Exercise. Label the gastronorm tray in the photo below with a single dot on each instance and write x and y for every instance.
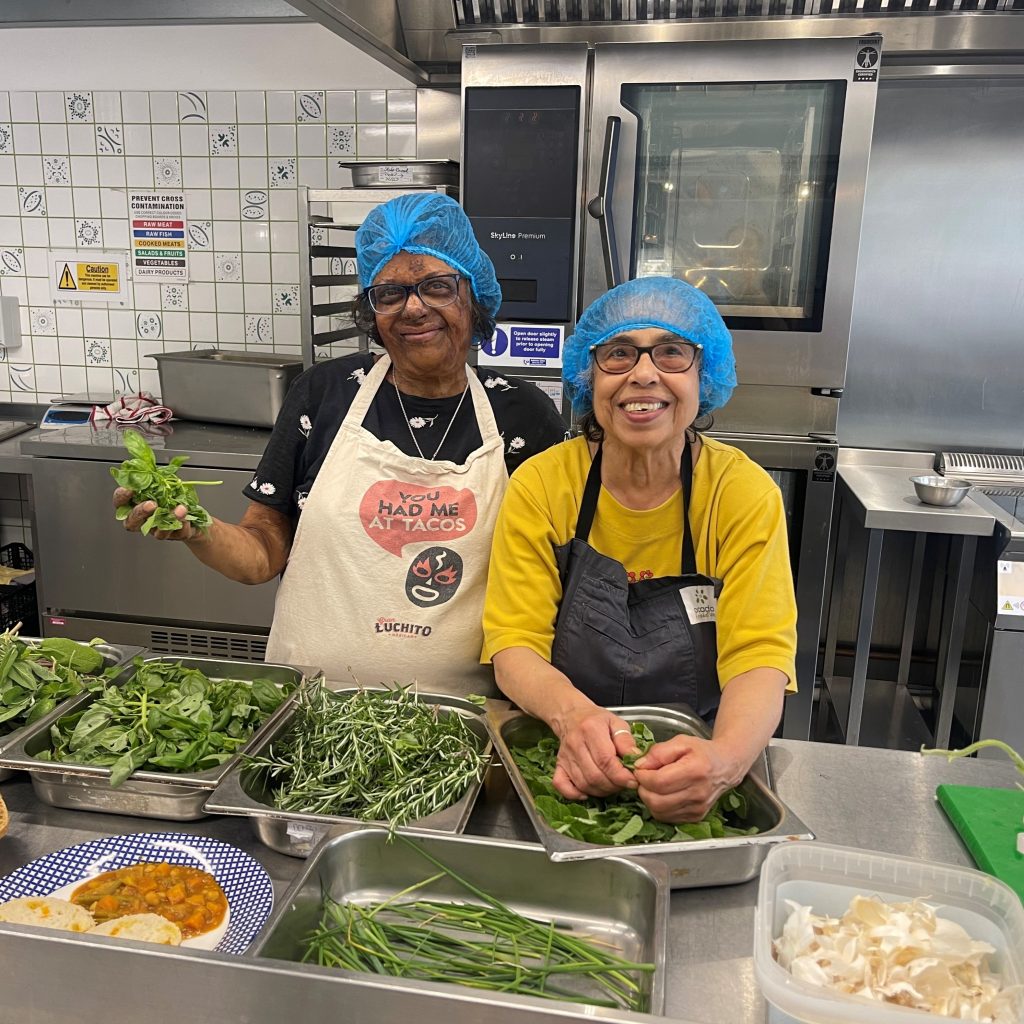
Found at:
(296, 833)
(145, 794)
(113, 655)
(622, 902)
(699, 862)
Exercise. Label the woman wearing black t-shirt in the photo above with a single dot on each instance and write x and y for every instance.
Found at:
(382, 479)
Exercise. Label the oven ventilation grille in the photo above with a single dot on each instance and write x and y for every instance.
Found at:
(471, 13)
(985, 470)
(194, 643)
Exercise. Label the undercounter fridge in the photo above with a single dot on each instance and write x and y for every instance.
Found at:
(738, 165)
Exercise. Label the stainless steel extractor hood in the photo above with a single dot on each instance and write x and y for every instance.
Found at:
(423, 39)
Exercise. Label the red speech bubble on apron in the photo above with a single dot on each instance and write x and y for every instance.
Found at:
(394, 514)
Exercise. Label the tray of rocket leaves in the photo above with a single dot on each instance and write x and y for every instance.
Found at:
(752, 820)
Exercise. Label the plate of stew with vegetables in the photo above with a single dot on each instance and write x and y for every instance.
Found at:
(217, 896)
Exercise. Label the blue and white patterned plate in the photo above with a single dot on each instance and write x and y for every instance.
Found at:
(246, 885)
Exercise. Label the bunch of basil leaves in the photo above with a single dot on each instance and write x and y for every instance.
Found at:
(166, 717)
(151, 482)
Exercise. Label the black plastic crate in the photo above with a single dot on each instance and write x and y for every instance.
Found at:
(16, 556)
(18, 600)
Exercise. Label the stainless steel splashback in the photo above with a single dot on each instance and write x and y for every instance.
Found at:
(935, 346)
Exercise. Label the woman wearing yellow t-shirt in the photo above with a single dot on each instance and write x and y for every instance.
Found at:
(644, 562)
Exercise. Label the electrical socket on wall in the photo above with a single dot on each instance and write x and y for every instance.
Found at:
(10, 322)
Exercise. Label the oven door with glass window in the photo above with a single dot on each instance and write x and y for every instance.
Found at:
(739, 167)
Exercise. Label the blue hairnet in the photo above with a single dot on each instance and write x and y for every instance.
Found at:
(429, 223)
(652, 302)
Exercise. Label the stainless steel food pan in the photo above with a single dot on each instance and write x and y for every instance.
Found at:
(295, 833)
(146, 794)
(113, 655)
(214, 386)
(700, 862)
(620, 902)
(392, 173)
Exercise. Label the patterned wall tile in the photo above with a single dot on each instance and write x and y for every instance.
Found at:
(79, 106)
(192, 107)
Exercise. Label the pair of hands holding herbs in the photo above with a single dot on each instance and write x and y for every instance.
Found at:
(679, 779)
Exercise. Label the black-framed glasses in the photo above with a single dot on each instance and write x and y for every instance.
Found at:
(667, 356)
(437, 291)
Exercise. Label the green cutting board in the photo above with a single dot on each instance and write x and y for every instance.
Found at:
(988, 821)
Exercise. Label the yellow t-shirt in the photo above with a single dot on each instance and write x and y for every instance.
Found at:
(739, 529)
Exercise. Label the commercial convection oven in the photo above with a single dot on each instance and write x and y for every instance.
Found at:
(736, 165)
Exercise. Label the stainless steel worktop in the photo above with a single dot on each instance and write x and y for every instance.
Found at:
(206, 444)
(884, 499)
(867, 798)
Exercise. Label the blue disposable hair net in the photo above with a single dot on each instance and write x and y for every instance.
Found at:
(652, 302)
(429, 223)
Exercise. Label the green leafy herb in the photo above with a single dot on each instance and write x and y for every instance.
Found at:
(376, 755)
(623, 817)
(1012, 754)
(482, 944)
(165, 718)
(151, 482)
(36, 677)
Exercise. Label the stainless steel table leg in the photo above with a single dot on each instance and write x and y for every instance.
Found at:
(863, 649)
(841, 532)
(953, 642)
(910, 615)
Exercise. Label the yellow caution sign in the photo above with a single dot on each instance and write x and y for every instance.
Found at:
(97, 277)
(67, 281)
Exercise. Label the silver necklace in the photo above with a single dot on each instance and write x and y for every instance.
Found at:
(405, 415)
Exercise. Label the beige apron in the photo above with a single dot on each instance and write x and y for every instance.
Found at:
(387, 572)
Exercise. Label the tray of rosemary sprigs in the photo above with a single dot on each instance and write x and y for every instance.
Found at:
(341, 757)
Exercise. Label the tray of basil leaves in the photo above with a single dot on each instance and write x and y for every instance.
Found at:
(156, 740)
(727, 848)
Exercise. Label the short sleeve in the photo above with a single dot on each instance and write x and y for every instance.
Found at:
(281, 468)
(527, 418)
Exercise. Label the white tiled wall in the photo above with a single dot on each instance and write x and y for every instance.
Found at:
(67, 161)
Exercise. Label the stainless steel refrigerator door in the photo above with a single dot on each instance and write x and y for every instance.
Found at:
(768, 223)
(89, 566)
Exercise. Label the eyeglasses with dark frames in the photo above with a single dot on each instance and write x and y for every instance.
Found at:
(667, 356)
(437, 291)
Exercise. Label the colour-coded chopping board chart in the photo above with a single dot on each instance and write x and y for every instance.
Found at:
(159, 249)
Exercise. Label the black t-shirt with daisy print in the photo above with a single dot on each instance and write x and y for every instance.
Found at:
(317, 403)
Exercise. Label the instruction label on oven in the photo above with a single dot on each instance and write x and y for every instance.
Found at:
(525, 345)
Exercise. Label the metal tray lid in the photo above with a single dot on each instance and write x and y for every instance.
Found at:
(676, 718)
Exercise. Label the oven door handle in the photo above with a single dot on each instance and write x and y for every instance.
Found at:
(600, 207)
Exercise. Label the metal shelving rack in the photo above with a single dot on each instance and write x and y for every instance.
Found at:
(328, 279)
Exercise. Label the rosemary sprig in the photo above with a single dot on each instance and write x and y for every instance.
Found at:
(375, 755)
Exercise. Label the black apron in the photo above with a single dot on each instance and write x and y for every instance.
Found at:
(649, 642)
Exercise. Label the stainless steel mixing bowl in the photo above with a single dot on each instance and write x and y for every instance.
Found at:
(940, 490)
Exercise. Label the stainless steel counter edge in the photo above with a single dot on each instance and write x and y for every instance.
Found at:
(206, 444)
(862, 797)
(885, 499)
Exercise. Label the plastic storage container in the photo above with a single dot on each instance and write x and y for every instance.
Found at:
(826, 878)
